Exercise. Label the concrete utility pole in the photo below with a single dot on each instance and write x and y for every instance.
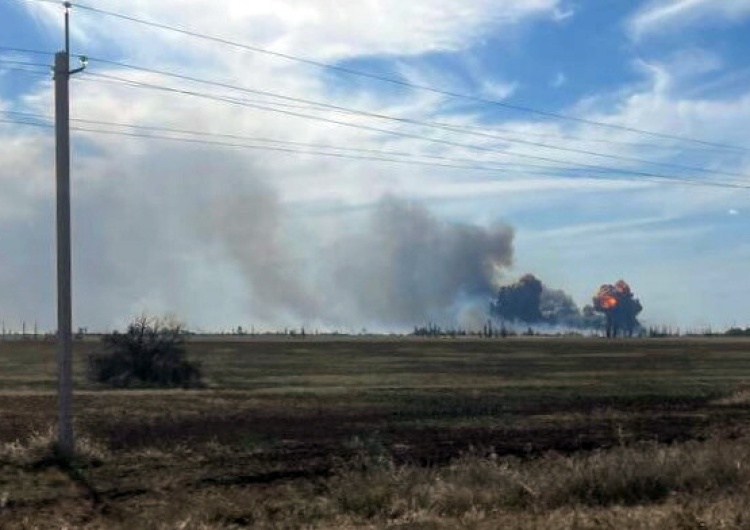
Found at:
(66, 442)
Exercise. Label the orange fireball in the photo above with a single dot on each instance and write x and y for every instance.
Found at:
(606, 297)
(607, 302)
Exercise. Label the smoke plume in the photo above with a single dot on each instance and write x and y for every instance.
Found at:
(251, 227)
(559, 309)
(520, 302)
(408, 266)
(530, 301)
(403, 266)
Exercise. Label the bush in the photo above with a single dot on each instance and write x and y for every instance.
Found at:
(151, 353)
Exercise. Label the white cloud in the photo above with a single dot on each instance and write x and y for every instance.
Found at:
(325, 29)
(693, 62)
(681, 70)
(670, 15)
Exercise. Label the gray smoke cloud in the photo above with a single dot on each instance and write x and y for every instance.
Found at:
(530, 301)
(251, 226)
(401, 267)
(408, 266)
(558, 308)
(205, 237)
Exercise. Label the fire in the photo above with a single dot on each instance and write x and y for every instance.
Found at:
(619, 306)
(606, 298)
(608, 302)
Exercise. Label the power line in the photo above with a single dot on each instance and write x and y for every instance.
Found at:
(252, 48)
(23, 122)
(204, 134)
(459, 127)
(113, 80)
(24, 70)
(257, 147)
(650, 178)
(25, 50)
(30, 67)
(550, 172)
(391, 80)
(53, 2)
(307, 104)
(421, 123)
(24, 63)
(25, 66)
(240, 102)
(624, 143)
(721, 147)
(244, 103)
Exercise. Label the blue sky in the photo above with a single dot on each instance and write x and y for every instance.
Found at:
(673, 67)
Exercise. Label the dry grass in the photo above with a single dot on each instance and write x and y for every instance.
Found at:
(39, 450)
(740, 396)
(696, 485)
(625, 476)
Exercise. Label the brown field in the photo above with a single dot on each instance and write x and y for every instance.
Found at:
(391, 433)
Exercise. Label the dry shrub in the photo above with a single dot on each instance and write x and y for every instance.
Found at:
(151, 353)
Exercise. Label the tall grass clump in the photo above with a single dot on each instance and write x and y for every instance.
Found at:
(40, 449)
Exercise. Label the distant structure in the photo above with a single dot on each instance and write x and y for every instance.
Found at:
(619, 307)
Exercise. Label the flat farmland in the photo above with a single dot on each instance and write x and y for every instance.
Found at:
(378, 432)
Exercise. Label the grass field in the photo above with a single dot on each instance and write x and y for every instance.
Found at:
(386, 432)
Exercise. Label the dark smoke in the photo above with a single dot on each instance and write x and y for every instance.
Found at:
(529, 301)
(520, 302)
(559, 309)
(408, 266)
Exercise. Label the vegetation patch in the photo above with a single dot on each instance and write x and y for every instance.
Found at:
(151, 353)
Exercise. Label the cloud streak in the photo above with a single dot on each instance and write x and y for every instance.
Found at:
(672, 15)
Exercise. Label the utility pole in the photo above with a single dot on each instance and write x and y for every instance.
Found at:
(66, 442)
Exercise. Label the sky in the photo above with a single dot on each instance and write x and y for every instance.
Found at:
(647, 182)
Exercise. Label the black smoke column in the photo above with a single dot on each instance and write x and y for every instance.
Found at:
(520, 301)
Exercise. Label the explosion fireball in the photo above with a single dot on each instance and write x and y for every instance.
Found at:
(620, 308)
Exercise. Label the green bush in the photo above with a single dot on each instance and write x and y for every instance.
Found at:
(151, 353)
